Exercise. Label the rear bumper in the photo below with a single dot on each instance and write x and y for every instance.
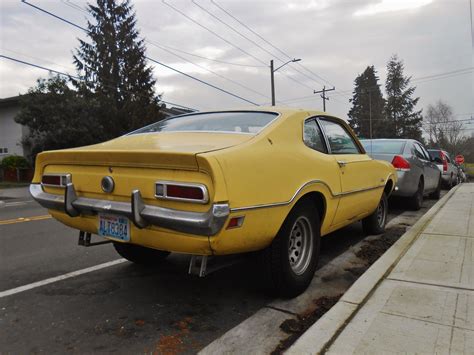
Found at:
(407, 184)
(198, 223)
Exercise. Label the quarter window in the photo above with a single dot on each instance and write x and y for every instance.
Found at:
(313, 137)
(340, 141)
(419, 152)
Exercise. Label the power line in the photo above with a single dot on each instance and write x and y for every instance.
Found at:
(212, 59)
(71, 76)
(213, 32)
(208, 70)
(265, 40)
(150, 59)
(228, 42)
(246, 37)
(419, 80)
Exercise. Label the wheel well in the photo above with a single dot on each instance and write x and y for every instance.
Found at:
(319, 202)
(388, 188)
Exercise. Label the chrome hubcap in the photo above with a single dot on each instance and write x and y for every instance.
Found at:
(300, 247)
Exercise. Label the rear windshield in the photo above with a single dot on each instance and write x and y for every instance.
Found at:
(230, 122)
(383, 147)
(434, 153)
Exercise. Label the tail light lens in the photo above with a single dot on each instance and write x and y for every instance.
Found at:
(400, 163)
(57, 180)
(445, 161)
(189, 192)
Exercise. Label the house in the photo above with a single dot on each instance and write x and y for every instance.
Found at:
(12, 133)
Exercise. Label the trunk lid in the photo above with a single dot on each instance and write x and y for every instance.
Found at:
(173, 150)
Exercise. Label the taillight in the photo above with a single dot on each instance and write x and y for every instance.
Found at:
(400, 163)
(445, 161)
(58, 180)
(189, 192)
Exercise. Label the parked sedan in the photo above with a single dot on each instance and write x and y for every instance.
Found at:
(446, 166)
(417, 174)
(215, 183)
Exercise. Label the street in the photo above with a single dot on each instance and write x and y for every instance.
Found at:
(123, 307)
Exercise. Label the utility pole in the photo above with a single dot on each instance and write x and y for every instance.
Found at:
(272, 75)
(323, 95)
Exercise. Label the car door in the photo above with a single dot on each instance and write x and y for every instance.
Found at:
(432, 168)
(358, 175)
(425, 164)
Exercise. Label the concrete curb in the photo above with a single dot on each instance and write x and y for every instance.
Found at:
(324, 332)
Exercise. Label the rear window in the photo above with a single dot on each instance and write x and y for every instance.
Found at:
(228, 122)
(434, 153)
(383, 147)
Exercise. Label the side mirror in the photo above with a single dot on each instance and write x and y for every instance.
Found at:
(438, 160)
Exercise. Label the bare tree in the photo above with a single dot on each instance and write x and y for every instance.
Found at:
(443, 129)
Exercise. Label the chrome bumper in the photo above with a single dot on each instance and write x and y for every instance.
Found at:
(200, 223)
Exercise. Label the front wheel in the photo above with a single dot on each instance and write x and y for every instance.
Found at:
(290, 261)
(140, 255)
(375, 223)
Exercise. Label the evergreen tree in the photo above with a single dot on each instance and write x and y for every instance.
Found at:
(113, 66)
(366, 115)
(404, 120)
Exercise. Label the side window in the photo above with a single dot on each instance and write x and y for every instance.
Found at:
(340, 141)
(419, 152)
(425, 152)
(313, 137)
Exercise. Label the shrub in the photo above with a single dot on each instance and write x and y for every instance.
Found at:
(14, 161)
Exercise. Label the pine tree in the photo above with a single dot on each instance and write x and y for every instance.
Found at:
(113, 66)
(404, 120)
(366, 115)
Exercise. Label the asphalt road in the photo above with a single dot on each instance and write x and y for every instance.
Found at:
(122, 308)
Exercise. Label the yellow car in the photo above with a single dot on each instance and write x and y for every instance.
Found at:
(213, 183)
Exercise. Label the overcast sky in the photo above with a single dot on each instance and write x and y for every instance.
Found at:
(336, 40)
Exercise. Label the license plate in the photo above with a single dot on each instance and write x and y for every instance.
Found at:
(114, 227)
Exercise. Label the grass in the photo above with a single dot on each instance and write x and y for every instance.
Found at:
(9, 184)
(469, 169)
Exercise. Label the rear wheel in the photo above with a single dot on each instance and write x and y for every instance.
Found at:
(416, 201)
(436, 194)
(375, 223)
(140, 255)
(290, 261)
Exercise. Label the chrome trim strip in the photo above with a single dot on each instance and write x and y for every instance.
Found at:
(68, 180)
(206, 223)
(278, 204)
(165, 184)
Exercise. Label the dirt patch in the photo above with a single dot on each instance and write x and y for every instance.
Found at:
(296, 327)
(373, 249)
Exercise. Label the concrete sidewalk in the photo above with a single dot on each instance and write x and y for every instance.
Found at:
(417, 298)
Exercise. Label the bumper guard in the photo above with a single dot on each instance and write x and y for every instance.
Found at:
(200, 223)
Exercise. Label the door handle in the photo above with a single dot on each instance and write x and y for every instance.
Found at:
(342, 163)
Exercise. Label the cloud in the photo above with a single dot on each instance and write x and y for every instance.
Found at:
(391, 6)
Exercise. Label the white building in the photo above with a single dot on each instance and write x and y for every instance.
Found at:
(11, 133)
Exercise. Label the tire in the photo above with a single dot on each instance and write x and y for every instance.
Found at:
(375, 223)
(416, 201)
(290, 261)
(436, 194)
(140, 255)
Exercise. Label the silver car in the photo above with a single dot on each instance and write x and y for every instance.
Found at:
(446, 165)
(417, 172)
